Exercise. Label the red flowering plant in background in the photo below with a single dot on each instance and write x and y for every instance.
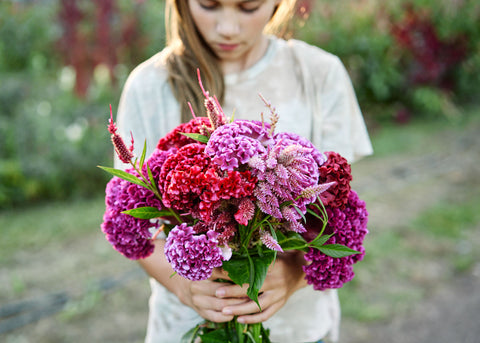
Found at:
(234, 194)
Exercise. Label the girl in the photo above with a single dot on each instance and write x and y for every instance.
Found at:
(230, 42)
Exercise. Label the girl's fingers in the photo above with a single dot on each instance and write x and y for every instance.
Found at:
(214, 303)
(266, 301)
(231, 291)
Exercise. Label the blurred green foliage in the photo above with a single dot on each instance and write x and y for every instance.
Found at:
(51, 139)
(408, 59)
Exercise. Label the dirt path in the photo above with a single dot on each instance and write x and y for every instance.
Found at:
(449, 308)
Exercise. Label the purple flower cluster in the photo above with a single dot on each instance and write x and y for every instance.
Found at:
(193, 256)
(349, 226)
(129, 235)
(233, 144)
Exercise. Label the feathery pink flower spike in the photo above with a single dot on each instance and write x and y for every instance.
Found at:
(124, 154)
(269, 241)
(214, 110)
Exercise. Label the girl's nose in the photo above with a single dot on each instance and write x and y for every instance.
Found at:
(228, 24)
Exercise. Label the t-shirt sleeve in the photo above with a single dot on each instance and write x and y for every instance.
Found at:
(338, 122)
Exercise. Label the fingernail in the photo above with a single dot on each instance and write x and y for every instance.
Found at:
(220, 293)
(241, 320)
(227, 311)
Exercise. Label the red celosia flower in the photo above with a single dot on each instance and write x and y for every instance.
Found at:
(175, 139)
(190, 181)
(335, 169)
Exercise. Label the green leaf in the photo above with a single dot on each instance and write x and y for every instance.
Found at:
(291, 241)
(196, 136)
(216, 336)
(337, 250)
(147, 212)
(144, 151)
(320, 240)
(124, 175)
(300, 213)
(315, 214)
(152, 181)
(190, 335)
(249, 269)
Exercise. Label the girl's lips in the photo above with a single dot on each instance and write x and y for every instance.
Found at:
(227, 47)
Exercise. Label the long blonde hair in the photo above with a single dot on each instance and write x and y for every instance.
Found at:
(187, 52)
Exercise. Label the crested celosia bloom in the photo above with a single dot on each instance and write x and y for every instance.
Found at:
(175, 139)
(193, 256)
(232, 145)
(129, 235)
(349, 226)
(336, 169)
(190, 181)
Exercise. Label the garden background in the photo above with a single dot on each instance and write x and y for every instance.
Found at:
(415, 66)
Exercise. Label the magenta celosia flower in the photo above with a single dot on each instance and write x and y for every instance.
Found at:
(349, 226)
(193, 256)
(232, 145)
(128, 235)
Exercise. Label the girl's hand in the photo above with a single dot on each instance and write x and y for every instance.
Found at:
(284, 278)
(201, 296)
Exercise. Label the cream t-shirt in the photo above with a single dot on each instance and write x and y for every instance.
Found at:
(314, 98)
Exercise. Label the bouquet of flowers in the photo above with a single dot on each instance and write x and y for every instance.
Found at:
(234, 194)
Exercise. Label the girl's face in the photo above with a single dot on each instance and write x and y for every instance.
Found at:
(234, 29)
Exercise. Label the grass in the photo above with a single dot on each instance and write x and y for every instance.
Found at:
(413, 137)
(404, 263)
(53, 223)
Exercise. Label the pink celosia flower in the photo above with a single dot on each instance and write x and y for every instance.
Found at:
(246, 210)
(269, 241)
(193, 256)
(232, 145)
(283, 173)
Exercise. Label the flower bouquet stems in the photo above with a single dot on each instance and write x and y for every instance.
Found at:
(232, 332)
